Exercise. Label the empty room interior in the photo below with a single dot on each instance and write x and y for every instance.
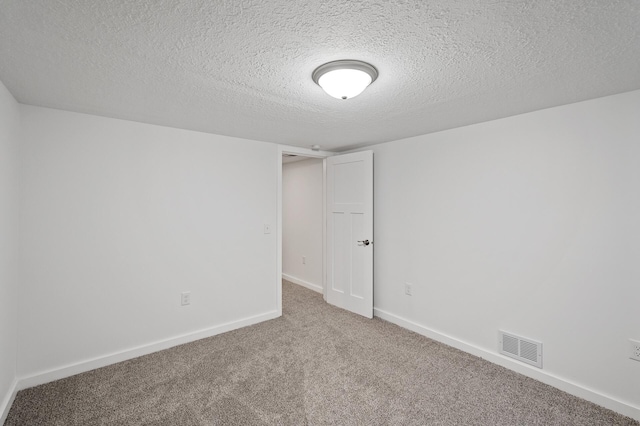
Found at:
(337, 212)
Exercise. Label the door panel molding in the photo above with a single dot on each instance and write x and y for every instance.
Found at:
(349, 215)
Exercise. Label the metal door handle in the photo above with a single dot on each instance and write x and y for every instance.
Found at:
(364, 243)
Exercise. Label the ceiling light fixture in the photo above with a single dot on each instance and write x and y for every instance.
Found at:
(344, 79)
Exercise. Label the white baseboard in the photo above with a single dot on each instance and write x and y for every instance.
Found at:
(540, 375)
(303, 283)
(5, 406)
(103, 361)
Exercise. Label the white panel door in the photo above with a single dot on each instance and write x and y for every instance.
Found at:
(350, 232)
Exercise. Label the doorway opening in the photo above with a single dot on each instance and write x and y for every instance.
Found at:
(301, 219)
(347, 230)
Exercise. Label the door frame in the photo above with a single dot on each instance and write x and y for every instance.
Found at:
(305, 152)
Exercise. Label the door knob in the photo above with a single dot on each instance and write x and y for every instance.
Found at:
(364, 243)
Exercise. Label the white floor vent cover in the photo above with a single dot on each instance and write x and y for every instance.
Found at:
(525, 350)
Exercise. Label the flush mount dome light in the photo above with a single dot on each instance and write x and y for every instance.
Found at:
(344, 79)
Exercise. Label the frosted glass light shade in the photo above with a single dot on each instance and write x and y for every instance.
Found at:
(344, 84)
(344, 79)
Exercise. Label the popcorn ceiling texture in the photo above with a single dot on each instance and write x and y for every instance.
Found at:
(243, 68)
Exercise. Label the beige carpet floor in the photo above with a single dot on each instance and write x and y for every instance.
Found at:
(316, 365)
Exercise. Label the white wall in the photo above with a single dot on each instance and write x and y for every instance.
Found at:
(119, 218)
(9, 136)
(302, 222)
(528, 224)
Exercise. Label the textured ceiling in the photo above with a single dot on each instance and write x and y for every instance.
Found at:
(243, 67)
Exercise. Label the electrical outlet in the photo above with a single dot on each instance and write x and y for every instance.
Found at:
(304, 260)
(185, 298)
(634, 349)
(408, 289)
